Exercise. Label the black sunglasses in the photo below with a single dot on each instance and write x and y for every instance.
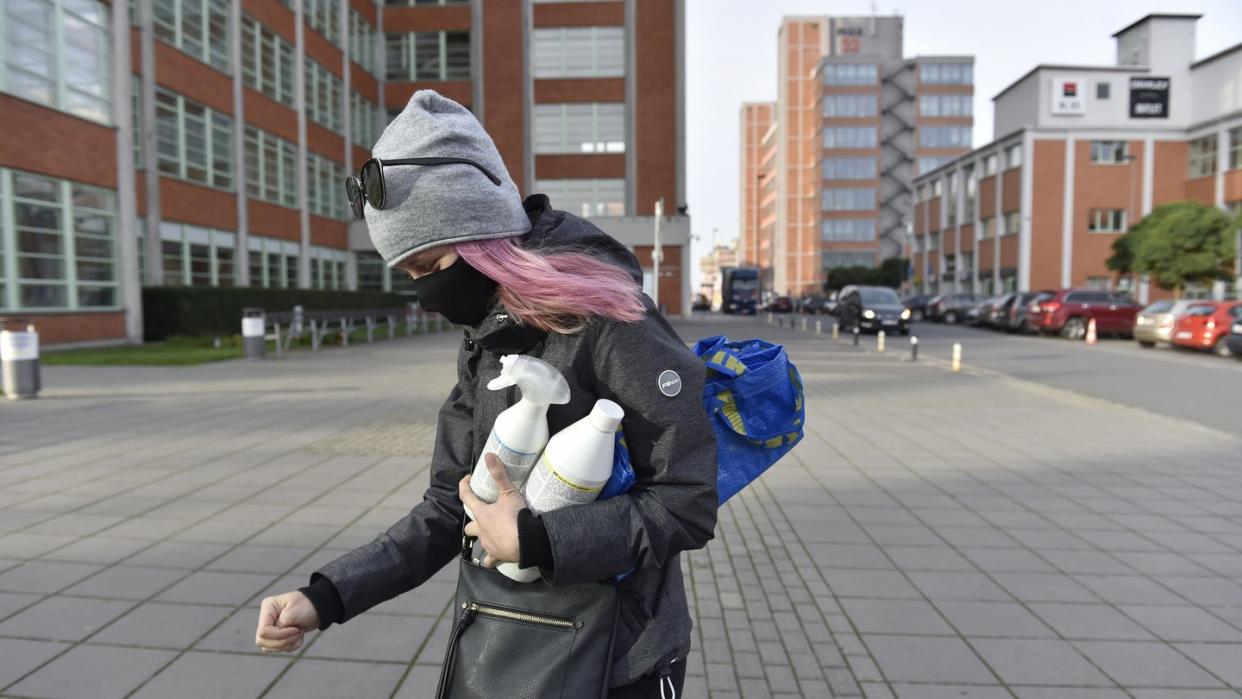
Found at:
(367, 187)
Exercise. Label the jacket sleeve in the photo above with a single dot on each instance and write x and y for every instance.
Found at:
(426, 539)
(672, 506)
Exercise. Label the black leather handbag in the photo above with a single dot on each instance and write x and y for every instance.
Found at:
(528, 640)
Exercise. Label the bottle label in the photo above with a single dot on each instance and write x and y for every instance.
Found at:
(548, 489)
(517, 464)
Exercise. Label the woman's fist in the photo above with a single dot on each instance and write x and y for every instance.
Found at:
(283, 620)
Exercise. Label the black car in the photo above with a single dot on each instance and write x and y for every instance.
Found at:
(872, 308)
(1015, 318)
(917, 305)
(1234, 339)
(950, 308)
(811, 305)
(780, 304)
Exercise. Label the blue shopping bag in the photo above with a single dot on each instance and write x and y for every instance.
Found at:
(753, 395)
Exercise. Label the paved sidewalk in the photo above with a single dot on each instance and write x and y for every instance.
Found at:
(936, 535)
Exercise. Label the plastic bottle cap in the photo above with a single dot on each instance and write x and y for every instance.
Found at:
(606, 415)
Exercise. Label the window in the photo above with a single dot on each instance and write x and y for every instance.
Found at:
(1203, 156)
(850, 137)
(199, 28)
(323, 96)
(849, 168)
(196, 256)
(851, 74)
(325, 195)
(362, 42)
(1110, 152)
(579, 52)
(267, 61)
(363, 120)
(427, 56)
(271, 168)
(321, 16)
(327, 268)
(425, 2)
(944, 136)
(1101, 90)
(370, 270)
(850, 105)
(946, 73)
(1013, 223)
(987, 227)
(193, 142)
(593, 127)
(989, 165)
(586, 198)
(849, 230)
(946, 105)
(926, 165)
(1013, 156)
(851, 258)
(860, 199)
(1106, 220)
(1235, 148)
(58, 239)
(57, 53)
(937, 188)
(273, 262)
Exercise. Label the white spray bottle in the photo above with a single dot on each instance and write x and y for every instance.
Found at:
(574, 468)
(521, 431)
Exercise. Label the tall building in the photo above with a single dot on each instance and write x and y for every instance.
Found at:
(854, 123)
(756, 122)
(205, 142)
(1079, 154)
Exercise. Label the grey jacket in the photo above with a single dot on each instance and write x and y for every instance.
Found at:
(671, 508)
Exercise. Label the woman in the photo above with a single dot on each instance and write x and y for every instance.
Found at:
(523, 278)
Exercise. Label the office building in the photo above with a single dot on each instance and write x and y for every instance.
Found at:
(853, 123)
(1078, 155)
(205, 142)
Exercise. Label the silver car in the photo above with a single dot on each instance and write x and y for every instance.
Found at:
(1155, 323)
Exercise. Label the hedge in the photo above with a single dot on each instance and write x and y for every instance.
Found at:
(190, 311)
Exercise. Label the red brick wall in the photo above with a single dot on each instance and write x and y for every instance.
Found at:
(1047, 215)
(58, 328)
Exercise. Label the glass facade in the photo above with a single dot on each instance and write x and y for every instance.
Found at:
(579, 52)
(850, 105)
(848, 258)
(849, 168)
(851, 199)
(946, 73)
(271, 168)
(193, 141)
(851, 74)
(427, 56)
(592, 127)
(57, 53)
(850, 137)
(849, 230)
(267, 61)
(585, 198)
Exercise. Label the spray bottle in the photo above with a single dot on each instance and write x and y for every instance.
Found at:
(574, 468)
(521, 431)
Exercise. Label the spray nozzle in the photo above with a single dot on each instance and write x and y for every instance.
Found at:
(539, 381)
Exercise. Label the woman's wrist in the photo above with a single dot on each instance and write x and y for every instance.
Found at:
(326, 600)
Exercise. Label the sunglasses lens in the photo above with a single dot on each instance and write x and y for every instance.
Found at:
(373, 181)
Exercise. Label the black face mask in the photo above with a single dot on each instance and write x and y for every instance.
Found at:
(459, 292)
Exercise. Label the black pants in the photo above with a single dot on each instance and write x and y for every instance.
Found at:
(649, 687)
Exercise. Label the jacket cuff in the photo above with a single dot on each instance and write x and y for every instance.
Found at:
(327, 601)
(534, 546)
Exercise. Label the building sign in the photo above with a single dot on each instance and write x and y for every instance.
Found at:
(849, 39)
(1069, 96)
(1149, 98)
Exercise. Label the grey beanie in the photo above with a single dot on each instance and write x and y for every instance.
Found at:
(430, 205)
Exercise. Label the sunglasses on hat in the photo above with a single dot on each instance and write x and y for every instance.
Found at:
(367, 187)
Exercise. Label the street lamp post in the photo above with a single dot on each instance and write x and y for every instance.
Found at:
(656, 253)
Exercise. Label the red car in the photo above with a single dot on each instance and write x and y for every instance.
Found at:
(1068, 312)
(1207, 327)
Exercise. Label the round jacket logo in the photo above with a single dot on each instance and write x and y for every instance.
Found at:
(670, 383)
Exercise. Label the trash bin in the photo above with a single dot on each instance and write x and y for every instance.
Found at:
(19, 360)
(253, 342)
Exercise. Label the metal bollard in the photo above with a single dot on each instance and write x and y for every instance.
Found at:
(344, 333)
(957, 356)
(914, 348)
(297, 324)
(19, 361)
(819, 327)
(856, 333)
(314, 335)
(836, 332)
(276, 328)
(769, 319)
(370, 330)
(254, 345)
(392, 327)
(879, 341)
(804, 325)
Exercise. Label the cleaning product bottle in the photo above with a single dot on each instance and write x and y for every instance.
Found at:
(573, 469)
(521, 431)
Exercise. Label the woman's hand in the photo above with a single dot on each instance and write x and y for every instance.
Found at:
(495, 525)
(283, 620)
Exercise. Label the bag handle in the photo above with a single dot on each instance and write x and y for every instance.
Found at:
(725, 361)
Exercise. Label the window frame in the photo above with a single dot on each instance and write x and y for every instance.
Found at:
(563, 69)
(409, 45)
(1204, 158)
(1102, 147)
(1101, 220)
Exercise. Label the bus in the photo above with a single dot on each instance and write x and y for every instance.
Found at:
(739, 290)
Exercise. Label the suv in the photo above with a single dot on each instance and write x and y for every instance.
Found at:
(1069, 311)
(951, 308)
(872, 308)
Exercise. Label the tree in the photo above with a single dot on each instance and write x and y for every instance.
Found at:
(887, 274)
(1177, 244)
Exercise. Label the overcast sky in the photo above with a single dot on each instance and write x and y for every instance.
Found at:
(731, 58)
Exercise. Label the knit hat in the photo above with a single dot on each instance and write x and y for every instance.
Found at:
(430, 205)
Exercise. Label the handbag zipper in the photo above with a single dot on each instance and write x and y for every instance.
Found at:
(474, 608)
(467, 616)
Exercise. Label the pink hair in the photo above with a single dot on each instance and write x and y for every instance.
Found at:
(555, 291)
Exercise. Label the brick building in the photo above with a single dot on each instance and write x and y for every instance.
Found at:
(213, 136)
(1080, 154)
(827, 182)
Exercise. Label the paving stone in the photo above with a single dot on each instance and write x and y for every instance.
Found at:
(1039, 661)
(1070, 693)
(209, 587)
(60, 618)
(1128, 589)
(337, 678)
(927, 659)
(127, 582)
(1221, 659)
(950, 691)
(160, 625)
(895, 616)
(1040, 587)
(996, 619)
(957, 586)
(20, 656)
(1141, 664)
(1089, 621)
(44, 576)
(214, 675)
(1183, 623)
(874, 584)
(93, 672)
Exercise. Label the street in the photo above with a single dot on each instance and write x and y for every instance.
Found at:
(934, 535)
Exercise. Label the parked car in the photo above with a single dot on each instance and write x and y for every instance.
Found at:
(701, 303)
(1155, 322)
(986, 313)
(1068, 312)
(811, 305)
(780, 304)
(976, 313)
(830, 303)
(950, 308)
(1206, 327)
(872, 308)
(1015, 315)
(917, 305)
(1234, 340)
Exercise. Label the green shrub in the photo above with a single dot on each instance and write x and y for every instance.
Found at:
(197, 311)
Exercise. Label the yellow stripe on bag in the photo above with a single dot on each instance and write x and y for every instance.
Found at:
(729, 408)
(729, 361)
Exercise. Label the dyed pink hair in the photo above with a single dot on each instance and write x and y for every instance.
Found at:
(555, 291)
